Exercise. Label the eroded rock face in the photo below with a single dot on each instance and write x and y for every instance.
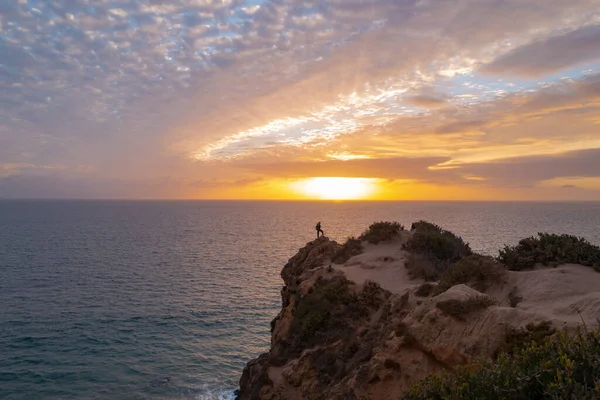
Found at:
(313, 255)
(336, 339)
(255, 380)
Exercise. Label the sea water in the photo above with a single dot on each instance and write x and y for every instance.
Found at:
(169, 300)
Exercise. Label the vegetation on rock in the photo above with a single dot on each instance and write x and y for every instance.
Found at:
(476, 271)
(371, 294)
(381, 231)
(435, 249)
(425, 290)
(518, 339)
(514, 297)
(420, 267)
(323, 302)
(550, 249)
(459, 309)
(402, 331)
(328, 311)
(559, 367)
(351, 248)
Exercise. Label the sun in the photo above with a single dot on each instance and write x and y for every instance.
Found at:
(337, 188)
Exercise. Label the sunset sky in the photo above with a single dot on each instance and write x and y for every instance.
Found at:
(252, 99)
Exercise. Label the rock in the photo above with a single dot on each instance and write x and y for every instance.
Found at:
(254, 378)
(335, 338)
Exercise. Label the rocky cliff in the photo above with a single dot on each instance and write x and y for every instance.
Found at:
(366, 329)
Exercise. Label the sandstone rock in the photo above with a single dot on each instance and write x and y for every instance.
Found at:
(361, 331)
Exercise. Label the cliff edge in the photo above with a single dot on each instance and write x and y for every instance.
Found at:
(369, 327)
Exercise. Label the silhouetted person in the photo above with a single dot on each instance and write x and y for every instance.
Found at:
(318, 228)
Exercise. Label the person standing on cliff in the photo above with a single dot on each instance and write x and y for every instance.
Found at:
(319, 230)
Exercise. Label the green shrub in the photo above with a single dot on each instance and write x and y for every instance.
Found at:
(518, 339)
(402, 331)
(313, 322)
(425, 226)
(561, 367)
(322, 309)
(441, 247)
(514, 297)
(476, 271)
(371, 295)
(425, 290)
(459, 309)
(327, 365)
(349, 349)
(381, 231)
(549, 249)
(391, 364)
(420, 267)
(351, 248)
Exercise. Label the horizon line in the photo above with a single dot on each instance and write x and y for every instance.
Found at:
(296, 200)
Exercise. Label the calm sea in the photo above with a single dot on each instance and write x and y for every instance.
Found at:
(168, 300)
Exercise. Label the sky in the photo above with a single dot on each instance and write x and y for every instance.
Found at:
(279, 99)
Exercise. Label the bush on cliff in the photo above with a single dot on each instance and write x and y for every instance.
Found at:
(477, 271)
(437, 247)
(460, 309)
(372, 295)
(324, 309)
(425, 226)
(351, 248)
(381, 231)
(425, 290)
(518, 339)
(547, 249)
(560, 367)
(420, 267)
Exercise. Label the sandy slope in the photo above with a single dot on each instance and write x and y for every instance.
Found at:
(569, 293)
(383, 263)
(566, 294)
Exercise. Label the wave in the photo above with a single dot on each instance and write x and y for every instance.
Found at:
(208, 393)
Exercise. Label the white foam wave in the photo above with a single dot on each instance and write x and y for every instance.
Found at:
(215, 394)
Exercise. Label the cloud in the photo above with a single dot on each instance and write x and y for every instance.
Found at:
(530, 170)
(216, 183)
(513, 172)
(390, 168)
(549, 55)
(548, 119)
(582, 183)
(426, 101)
(151, 92)
(460, 126)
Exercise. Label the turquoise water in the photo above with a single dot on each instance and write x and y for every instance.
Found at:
(168, 300)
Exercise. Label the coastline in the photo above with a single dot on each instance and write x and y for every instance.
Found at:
(365, 328)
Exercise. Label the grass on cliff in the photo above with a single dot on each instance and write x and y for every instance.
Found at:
(433, 249)
(351, 248)
(555, 368)
(550, 249)
(381, 231)
(477, 271)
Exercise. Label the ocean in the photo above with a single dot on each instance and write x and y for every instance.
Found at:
(169, 300)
